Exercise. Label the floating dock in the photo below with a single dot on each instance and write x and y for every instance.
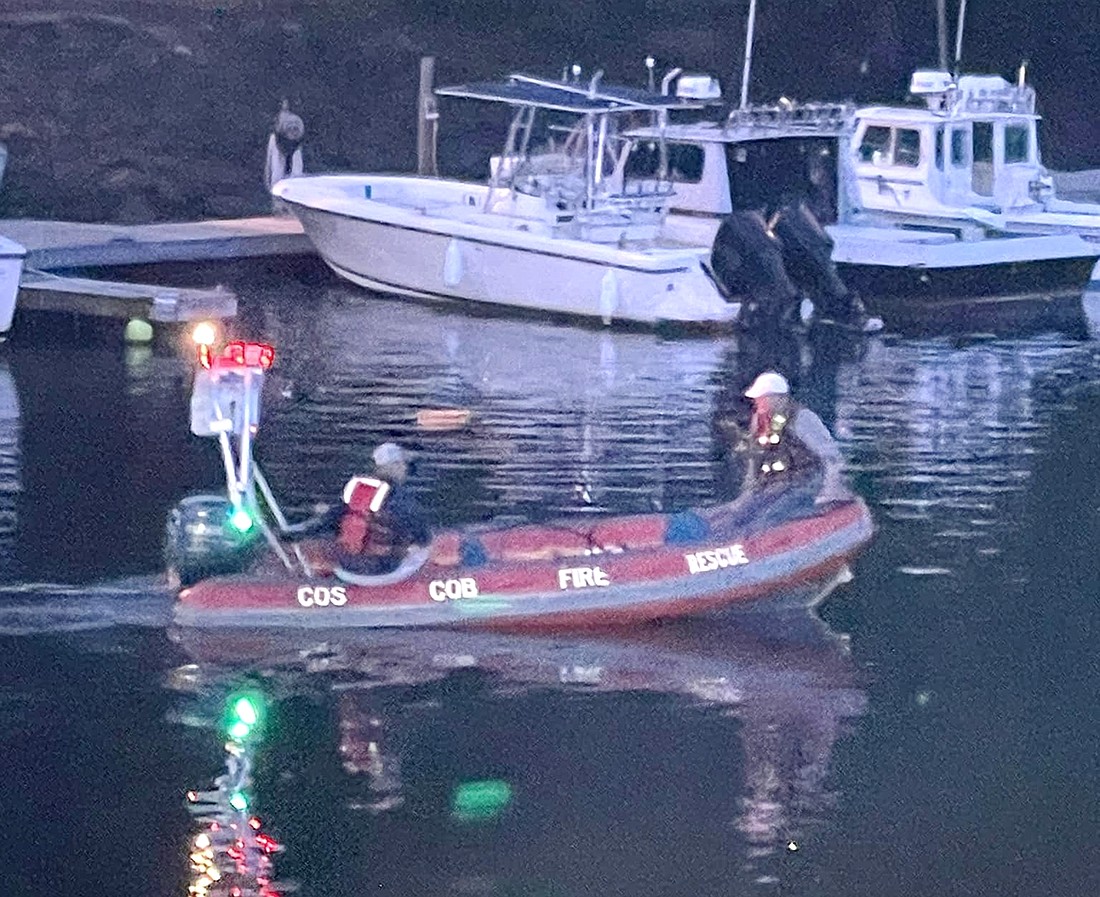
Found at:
(56, 245)
(62, 245)
(43, 291)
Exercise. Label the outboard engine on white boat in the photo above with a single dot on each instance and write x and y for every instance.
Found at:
(212, 534)
(747, 262)
(807, 258)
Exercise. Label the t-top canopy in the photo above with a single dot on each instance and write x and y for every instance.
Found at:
(527, 90)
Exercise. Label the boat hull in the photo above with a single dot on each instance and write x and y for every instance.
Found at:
(496, 260)
(11, 270)
(558, 586)
(1008, 280)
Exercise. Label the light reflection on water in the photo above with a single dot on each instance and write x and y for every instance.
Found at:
(784, 704)
(10, 480)
(704, 747)
(565, 419)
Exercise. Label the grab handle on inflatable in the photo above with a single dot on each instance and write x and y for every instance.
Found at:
(413, 561)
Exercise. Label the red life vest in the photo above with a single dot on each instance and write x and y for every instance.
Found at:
(359, 533)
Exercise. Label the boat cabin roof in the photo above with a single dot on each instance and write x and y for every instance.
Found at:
(915, 116)
(581, 99)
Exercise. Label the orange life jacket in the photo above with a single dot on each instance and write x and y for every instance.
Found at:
(361, 531)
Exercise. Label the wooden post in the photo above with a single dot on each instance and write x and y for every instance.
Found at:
(427, 125)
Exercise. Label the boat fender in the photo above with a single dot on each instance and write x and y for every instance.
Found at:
(609, 295)
(452, 264)
(686, 527)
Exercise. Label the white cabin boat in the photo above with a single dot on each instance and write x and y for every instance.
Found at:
(971, 156)
(937, 205)
(568, 231)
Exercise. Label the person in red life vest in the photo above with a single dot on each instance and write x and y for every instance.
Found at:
(381, 522)
(787, 442)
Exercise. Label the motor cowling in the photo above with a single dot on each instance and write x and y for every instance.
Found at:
(807, 253)
(747, 262)
(201, 540)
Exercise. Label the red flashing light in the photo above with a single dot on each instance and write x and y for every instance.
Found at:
(267, 843)
(254, 823)
(252, 355)
(238, 354)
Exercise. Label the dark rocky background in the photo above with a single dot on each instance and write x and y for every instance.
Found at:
(136, 110)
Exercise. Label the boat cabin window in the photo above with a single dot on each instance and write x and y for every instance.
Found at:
(981, 181)
(767, 174)
(1017, 143)
(907, 148)
(941, 136)
(959, 157)
(685, 162)
(875, 146)
(882, 145)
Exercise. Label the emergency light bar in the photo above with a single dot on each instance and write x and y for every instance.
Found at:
(237, 354)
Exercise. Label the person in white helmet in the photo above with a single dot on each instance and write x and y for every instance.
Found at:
(786, 440)
(381, 522)
(378, 521)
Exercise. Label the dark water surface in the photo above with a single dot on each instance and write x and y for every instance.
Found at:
(937, 736)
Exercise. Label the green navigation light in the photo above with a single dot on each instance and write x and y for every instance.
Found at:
(240, 520)
(480, 800)
(246, 711)
(238, 801)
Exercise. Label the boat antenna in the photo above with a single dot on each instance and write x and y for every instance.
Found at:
(959, 36)
(749, 29)
(941, 32)
(650, 62)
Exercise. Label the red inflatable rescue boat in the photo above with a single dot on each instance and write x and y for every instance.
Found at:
(239, 570)
(567, 575)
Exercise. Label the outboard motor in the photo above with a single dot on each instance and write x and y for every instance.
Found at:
(747, 262)
(203, 539)
(807, 256)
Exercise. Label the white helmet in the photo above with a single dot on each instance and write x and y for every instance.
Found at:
(389, 453)
(768, 384)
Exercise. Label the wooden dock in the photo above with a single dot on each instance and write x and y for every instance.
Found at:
(61, 245)
(54, 245)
